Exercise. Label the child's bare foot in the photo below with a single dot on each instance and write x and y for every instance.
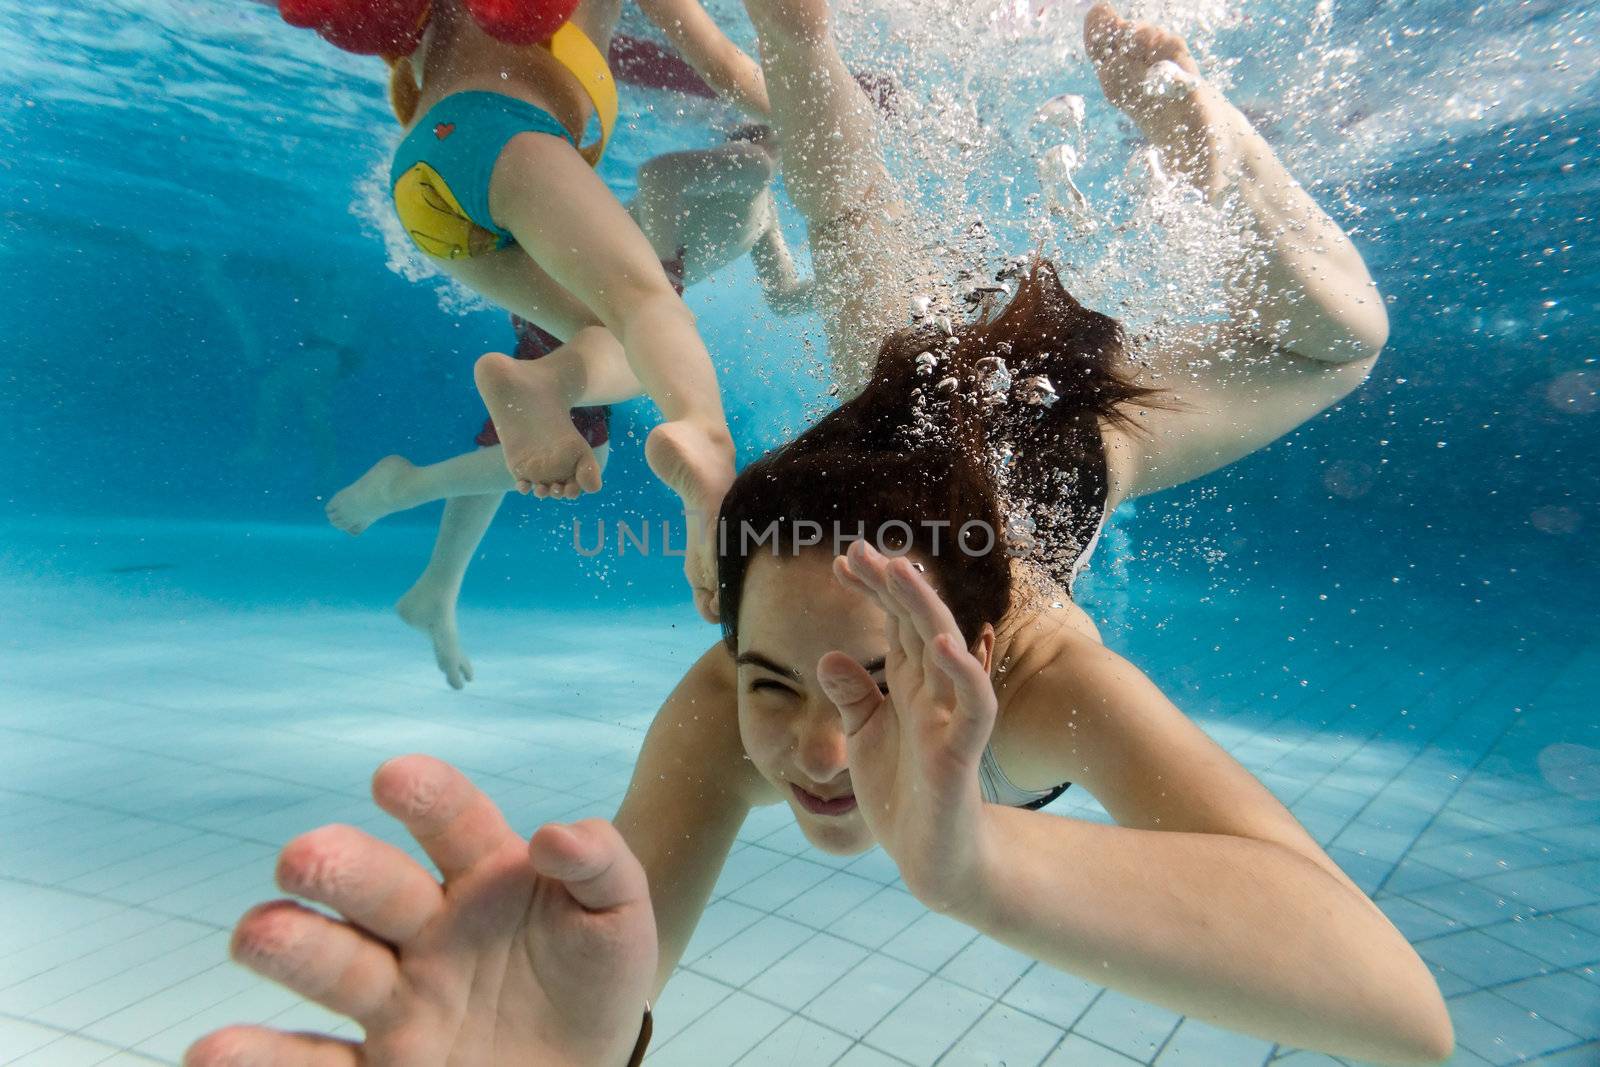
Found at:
(544, 452)
(698, 464)
(372, 496)
(1148, 73)
(434, 613)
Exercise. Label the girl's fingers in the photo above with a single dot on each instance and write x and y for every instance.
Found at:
(257, 1046)
(454, 822)
(851, 689)
(336, 965)
(846, 576)
(371, 883)
(902, 637)
(974, 693)
(922, 607)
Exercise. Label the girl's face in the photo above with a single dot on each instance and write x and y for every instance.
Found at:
(793, 613)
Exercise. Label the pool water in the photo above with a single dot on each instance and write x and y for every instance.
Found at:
(1388, 618)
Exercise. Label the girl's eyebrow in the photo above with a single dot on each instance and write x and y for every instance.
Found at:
(756, 659)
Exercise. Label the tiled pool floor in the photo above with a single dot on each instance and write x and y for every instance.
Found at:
(159, 740)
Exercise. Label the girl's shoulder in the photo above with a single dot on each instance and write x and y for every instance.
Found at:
(1039, 651)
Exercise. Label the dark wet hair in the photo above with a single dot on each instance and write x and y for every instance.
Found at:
(968, 424)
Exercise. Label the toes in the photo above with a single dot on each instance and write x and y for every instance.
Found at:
(466, 669)
(589, 474)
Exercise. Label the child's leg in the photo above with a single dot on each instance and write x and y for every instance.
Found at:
(706, 202)
(430, 604)
(395, 484)
(546, 455)
(529, 401)
(597, 373)
(566, 219)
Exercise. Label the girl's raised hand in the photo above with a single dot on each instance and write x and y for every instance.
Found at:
(914, 751)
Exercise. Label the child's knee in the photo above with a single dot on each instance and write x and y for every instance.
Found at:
(651, 306)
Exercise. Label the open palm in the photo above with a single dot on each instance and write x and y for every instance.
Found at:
(914, 751)
(528, 952)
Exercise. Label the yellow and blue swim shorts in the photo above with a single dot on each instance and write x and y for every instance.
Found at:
(440, 173)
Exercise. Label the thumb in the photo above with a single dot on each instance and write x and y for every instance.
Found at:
(851, 689)
(592, 861)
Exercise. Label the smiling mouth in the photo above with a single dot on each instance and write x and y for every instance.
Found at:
(819, 806)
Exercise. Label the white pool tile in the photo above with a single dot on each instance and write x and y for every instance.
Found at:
(721, 920)
(686, 998)
(879, 918)
(1415, 921)
(68, 1050)
(1076, 1051)
(1480, 958)
(1132, 1027)
(1054, 996)
(1548, 937)
(866, 1056)
(804, 973)
(739, 960)
(824, 903)
(775, 888)
(986, 966)
(1563, 999)
(860, 999)
(924, 1026)
(721, 1036)
(1004, 1037)
(797, 1043)
(930, 942)
(1502, 1032)
(747, 863)
(19, 1037)
(1198, 1044)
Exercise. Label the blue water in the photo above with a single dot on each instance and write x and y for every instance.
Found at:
(1388, 617)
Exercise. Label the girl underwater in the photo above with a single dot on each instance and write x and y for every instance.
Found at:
(928, 703)
(491, 182)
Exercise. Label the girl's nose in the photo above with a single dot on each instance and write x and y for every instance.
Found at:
(819, 748)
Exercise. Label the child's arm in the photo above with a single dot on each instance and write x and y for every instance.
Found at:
(701, 43)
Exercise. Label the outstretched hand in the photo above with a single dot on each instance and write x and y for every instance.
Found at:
(914, 751)
(538, 951)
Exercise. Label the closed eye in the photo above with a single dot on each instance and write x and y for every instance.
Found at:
(767, 684)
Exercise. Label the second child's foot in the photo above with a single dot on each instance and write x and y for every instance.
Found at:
(426, 610)
(697, 464)
(372, 496)
(544, 452)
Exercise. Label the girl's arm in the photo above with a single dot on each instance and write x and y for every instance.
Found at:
(1307, 321)
(697, 38)
(691, 790)
(1207, 897)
